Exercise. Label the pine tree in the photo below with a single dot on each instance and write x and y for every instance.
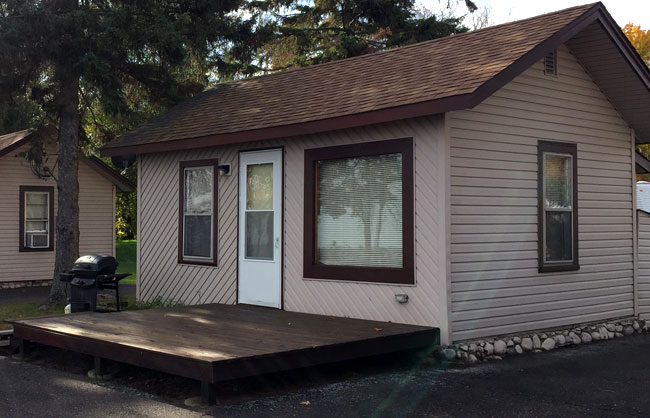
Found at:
(327, 30)
(70, 55)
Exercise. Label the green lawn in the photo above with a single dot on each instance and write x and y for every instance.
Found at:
(31, 309)
(126, 257)
(26, 310)
(125, 252)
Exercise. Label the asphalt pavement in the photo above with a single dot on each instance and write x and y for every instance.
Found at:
(604, 379)
(28, 391)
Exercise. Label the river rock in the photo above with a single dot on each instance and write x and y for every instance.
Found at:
(574, 338)
(586, 337)
(489, 349)
(448, 354)
(527, 344)
(628, 330)
(548, 344)
(537, 344)
(603, 333)
(500, 347)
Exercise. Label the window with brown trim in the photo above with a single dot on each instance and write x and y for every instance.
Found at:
(359, 212)
(557, 190)
(197, 218)
(36, 223)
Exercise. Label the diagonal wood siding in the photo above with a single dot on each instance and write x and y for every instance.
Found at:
(496, 288)
(161, 275)
(96, 218)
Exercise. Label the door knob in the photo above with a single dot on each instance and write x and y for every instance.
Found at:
(277, 242)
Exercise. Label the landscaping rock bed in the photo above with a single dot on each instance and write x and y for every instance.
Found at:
(476, 351)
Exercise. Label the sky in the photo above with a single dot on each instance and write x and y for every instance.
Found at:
(501, 11)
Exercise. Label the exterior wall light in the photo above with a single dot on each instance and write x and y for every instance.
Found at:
(402, 298)
(224, 169)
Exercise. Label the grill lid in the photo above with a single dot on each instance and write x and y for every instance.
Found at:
(95, 263)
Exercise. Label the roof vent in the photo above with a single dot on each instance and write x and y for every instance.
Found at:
(550, 63)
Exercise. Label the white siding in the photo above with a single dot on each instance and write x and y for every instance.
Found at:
(161, 275)
(95, 219)
(643, 292)
(496, 287)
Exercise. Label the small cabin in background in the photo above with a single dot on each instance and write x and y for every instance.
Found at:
(28, 208)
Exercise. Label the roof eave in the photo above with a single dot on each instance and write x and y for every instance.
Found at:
(122, 183)
(427, 108)
(22, 141)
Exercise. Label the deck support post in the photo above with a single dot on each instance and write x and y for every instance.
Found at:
(99, 367)
(17, 345)
(208, 393)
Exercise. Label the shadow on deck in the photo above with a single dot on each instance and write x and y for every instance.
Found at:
(214, 343)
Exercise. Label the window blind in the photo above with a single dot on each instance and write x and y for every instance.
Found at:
(359, 211)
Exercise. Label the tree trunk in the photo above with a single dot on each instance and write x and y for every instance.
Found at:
(67, 215)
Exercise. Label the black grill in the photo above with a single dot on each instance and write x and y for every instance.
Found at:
(89, 274)
(93, 265)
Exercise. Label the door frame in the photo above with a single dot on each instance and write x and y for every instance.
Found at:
(239, 153)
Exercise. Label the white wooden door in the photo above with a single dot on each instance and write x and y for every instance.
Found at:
(260, 228)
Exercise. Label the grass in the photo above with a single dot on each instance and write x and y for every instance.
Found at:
(126, 257)
(125, 252)
(26, 310)
(20, 310)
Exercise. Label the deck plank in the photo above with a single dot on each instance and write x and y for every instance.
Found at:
(219, 342)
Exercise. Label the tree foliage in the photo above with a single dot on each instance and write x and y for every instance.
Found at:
(98, 68)
(640, 39)
(114, 62)
(326, 30)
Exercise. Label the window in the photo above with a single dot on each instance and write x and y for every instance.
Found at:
(36, 218)
(197, 218)
(558, 211)
(359, 212)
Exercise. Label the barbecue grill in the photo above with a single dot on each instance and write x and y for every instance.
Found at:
(89, 274)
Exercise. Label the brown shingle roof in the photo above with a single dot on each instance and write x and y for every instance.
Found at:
(425, 75)
(12, 140)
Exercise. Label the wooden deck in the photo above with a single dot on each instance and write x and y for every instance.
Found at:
(213, 343)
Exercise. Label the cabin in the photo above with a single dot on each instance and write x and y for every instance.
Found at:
(28, 208)
(482, 183)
